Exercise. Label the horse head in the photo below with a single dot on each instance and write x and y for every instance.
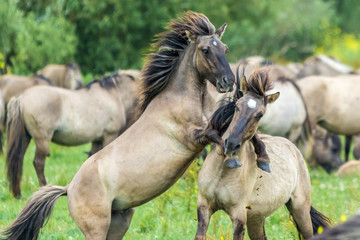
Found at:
(249, 110)
(210, 59)
(327, 150)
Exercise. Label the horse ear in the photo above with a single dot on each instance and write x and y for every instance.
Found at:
(243, 85)
(190, 37)
(221, 31)
(272, 97)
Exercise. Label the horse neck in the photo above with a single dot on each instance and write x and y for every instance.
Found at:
(186, 80)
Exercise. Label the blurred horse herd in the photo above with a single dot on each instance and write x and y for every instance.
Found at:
(319, 100)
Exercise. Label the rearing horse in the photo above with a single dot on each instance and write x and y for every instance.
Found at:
(155, 151)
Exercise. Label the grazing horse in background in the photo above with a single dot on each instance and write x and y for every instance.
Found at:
(12, 85)
(151, 155)
(332, 102)
(65, 76)
(324, 66)
(326, 150)
(246, 194)
(349, 168)
(288, 116)
(96, 114)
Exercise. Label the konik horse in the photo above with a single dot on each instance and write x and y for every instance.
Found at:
(96, 114)
(247, 194)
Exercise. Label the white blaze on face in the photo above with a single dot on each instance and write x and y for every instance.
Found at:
(214, 43)
(251, 103)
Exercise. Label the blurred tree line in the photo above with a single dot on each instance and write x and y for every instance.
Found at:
(110, 34)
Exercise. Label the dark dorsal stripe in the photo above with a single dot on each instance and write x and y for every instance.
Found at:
(106, 82)
(42, 77)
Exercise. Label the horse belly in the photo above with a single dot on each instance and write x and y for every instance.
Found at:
(136, 170)
(75, 137)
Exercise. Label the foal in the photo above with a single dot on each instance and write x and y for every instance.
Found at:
(247, 194)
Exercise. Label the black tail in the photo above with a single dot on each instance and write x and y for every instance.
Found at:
(17, 142)
(36, 211)
(319, 220)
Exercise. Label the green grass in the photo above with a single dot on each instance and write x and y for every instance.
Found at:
(173, 214)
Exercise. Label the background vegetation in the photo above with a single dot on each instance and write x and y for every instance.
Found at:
(105, 35)
(173, 214)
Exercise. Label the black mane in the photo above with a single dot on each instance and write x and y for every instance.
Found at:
(106, 82)
(160, 66)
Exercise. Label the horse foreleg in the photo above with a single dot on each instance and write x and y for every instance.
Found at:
(120, 222)
(256, 229)
(42, 151)
(204, 213)
(238, 218)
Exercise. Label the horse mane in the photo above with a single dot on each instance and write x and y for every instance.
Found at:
(160, 66)
(42, 77)
(259, 82)
(106, 82)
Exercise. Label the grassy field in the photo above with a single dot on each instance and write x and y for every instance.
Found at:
(173, 214)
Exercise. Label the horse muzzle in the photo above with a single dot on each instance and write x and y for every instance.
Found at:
(231, 147)
(224, 85)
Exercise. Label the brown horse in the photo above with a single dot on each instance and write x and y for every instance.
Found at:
(246, 194)
(326, 150)
(12, 85)
(96, 114)
(323, 65)
(155, 151)
(65, 76)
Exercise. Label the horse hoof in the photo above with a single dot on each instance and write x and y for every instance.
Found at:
(265, 166)
(233, 163)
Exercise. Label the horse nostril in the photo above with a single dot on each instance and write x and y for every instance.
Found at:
(237, 147)
(225, 144)
(225, 80)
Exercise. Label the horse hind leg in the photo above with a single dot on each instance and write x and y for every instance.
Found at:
(300, 211)
(42, 151)
(120, 222)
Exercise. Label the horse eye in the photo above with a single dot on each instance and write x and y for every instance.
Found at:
(205, 50)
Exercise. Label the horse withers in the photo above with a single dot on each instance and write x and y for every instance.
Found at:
(154, 152)
(247, 194)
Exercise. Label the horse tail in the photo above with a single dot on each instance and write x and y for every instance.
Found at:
(319, 220)
(17, 141)
(36, 211)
